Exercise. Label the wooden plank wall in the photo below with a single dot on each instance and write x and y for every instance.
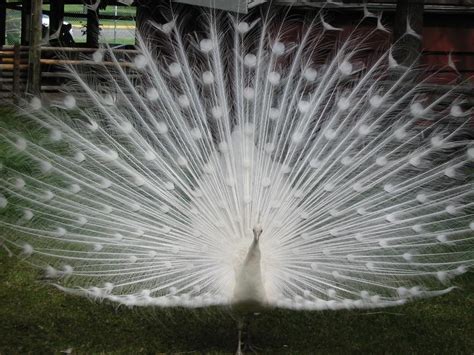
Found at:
(447, 38)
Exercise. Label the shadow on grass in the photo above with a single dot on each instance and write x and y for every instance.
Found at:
(35, 318)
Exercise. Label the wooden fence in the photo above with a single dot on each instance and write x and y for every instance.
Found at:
(13, 72)
(14, 67)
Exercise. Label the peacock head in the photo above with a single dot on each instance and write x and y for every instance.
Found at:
(257, 231)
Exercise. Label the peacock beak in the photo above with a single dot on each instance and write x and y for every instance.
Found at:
(257, 231)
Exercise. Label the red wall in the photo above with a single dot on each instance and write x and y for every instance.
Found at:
(439, 41)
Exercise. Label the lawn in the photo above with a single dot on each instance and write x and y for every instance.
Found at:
(123, 12)
(36, 318)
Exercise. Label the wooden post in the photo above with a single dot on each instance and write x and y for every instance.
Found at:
(144, 13)
(3, 21)
(92, 36)
(148, 11)
(34, 55)
(407, 48)
(25, 22)
(56, 15)
(16, 71)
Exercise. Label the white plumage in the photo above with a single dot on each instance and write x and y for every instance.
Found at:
(146, 180)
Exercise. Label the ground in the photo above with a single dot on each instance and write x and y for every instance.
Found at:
(36, 318)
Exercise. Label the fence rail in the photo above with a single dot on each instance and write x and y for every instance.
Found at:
(14, 68)
(13, 71)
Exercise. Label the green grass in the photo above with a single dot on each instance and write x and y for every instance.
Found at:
(36, 318)
(110, 10)
(124, 11)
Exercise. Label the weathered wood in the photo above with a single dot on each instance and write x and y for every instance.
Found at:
(56, 15)
(408, 15)
(25, 21)
(144, 13)
(16, 71)
(3, 21)
(93, 30)
(7, 70)
(85, 63)
(34, 65)
(147, 12)
(8, 49)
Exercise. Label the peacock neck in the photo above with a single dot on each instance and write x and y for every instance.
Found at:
(249, 283)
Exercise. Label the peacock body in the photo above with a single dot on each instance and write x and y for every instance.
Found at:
(145, 181)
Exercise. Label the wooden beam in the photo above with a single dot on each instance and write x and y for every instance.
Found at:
(93, 31)
(143, 13)
(3, 21)
(16, 71)
(56, 15)
(148, 11)
(408, 15)
(25, 22)
(34, 55)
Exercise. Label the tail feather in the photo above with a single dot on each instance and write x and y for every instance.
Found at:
(142, 185)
